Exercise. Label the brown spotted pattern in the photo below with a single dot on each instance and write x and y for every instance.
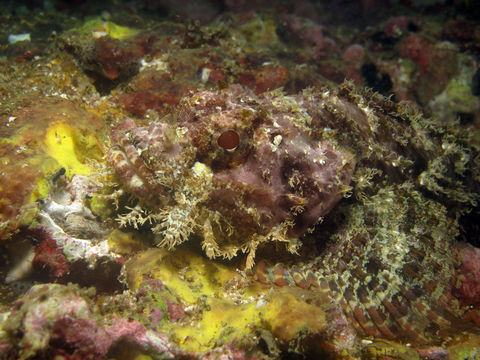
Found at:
(389, 268)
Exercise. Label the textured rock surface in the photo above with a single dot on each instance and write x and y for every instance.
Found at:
(53, 319)
(36, 142)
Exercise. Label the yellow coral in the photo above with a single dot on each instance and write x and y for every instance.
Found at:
(125, 242)
(289, 316)
(222, 304)
(60, 145)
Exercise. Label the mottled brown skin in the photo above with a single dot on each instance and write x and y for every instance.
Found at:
(272, 176)
(390, 256)
(388, 262)
(391, 282)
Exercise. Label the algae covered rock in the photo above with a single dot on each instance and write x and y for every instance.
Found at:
(39, 143)
(205, 306)
(56, 320)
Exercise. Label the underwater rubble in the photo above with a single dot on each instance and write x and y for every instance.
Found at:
(228, 180)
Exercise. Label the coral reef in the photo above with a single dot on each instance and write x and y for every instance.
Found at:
(73, 235)
(48, 255)
(53, 319)
(151, 152)
(467, 290)
(209, 302)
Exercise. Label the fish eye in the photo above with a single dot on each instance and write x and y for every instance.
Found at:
(229, 140)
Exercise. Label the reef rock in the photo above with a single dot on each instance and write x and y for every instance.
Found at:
(42, 140)
(54, 319)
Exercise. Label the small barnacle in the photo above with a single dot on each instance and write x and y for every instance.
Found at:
(277, 140)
